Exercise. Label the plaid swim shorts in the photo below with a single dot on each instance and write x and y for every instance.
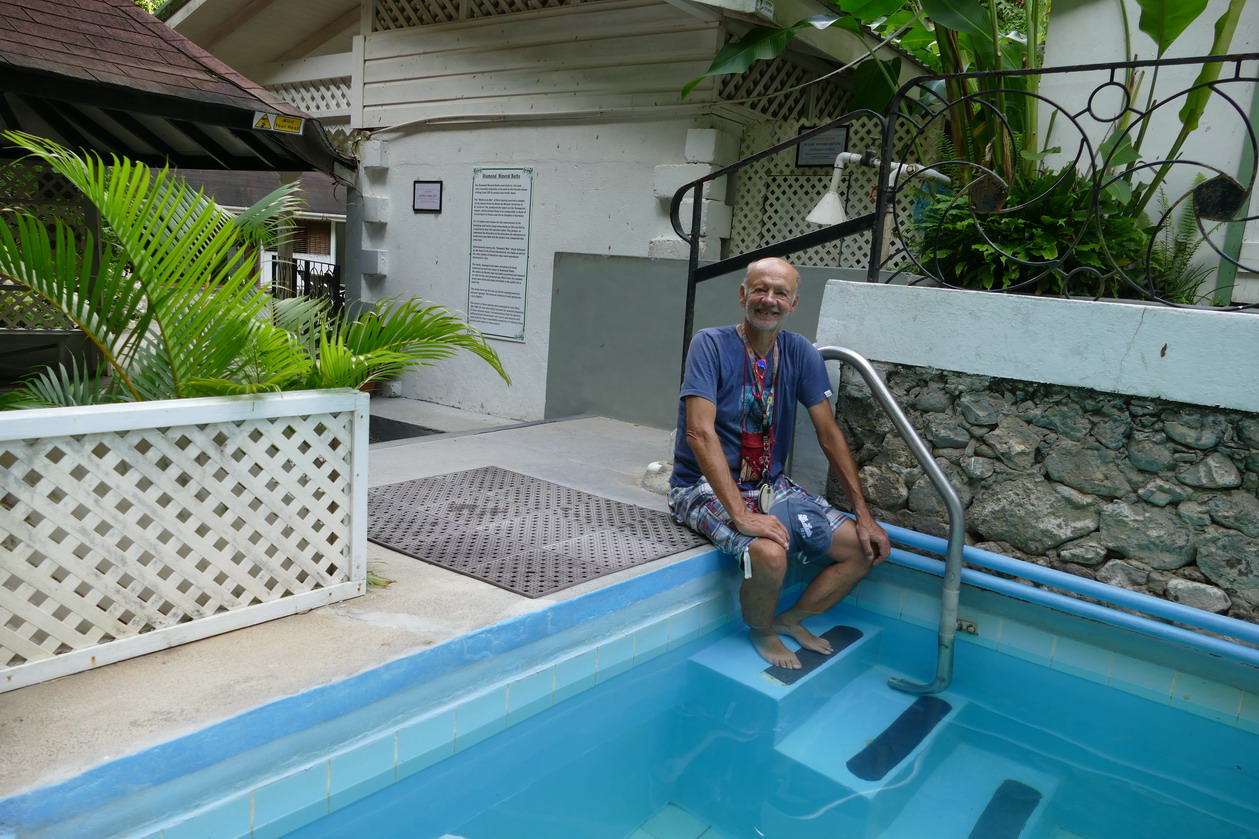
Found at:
(697, 507)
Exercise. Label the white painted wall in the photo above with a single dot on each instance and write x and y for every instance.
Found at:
(1184, 355)
(593, 192)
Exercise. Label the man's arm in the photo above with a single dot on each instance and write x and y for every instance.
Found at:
(872, 537)
(701, 433)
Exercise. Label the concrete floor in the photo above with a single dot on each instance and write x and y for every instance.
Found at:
(56, 730)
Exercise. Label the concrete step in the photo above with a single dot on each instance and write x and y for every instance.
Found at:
(974, 794)
(868, 735)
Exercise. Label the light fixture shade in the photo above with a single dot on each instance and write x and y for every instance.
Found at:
(830, 210)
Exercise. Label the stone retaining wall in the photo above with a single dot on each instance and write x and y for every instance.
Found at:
(1151, 495)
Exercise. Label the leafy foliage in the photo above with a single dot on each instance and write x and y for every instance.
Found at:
(1051, 239)
(170, 305)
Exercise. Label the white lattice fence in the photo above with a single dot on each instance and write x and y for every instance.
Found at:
(774, 195)
(126, 529)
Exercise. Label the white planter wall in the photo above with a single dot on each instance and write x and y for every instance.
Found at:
(1192, 356)
(127, 529)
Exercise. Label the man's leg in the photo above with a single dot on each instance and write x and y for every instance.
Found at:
(831, 585)
(759, 598)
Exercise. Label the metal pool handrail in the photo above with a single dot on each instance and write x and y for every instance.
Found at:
(957, 523)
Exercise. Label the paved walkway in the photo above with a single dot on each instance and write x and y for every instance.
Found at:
(53, 731)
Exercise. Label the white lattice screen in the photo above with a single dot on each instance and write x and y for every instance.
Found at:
(773, 195)
(230, 512)
(318, 97)
(404, 14)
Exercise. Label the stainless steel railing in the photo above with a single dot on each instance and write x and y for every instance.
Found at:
(957, 523)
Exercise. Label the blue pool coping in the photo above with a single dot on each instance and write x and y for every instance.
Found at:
(899, 590)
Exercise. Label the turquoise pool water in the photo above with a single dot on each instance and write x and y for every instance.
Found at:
(701, 743)
(639, 711)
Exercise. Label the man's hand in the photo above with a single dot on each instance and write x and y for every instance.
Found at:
(764, 525)
(873, 540)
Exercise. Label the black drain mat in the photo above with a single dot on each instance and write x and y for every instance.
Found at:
(526, 535)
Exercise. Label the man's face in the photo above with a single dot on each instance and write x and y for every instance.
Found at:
(768, 297)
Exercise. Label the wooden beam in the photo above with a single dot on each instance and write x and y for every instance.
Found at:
(234, 22)
(321, 36)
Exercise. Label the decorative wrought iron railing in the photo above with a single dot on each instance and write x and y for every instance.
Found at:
(1085, 181)
(308, 278)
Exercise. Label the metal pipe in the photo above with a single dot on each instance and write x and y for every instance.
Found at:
(1082, 608)
(957, 524)
(1155, 607)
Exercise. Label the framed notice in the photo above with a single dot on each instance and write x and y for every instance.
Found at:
(821, 149)
(499, 251)
(426, 196)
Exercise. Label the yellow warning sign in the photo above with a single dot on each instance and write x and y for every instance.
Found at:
(276, 122)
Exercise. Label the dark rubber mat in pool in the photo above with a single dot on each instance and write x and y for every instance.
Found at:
(840, 637)
(900, 738)
(529, 536)
(1007, 812)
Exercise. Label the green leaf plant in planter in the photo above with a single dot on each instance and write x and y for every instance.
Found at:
(171, 308)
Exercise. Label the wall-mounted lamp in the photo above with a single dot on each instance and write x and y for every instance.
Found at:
(830, 210)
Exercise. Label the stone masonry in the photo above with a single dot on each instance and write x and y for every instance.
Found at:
(1154, 496)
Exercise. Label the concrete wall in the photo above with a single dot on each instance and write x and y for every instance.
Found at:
(1118, 442)
(616, 332)
(593, 190)
(1182, 355)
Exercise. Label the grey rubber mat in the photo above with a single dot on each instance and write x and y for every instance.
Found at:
(526, 535)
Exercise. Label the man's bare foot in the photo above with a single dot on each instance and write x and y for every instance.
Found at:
(772, 649)
(788, 623)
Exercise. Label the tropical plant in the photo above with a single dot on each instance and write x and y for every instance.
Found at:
(169, 305)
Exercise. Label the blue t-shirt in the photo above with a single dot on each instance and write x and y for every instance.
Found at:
(717, 369)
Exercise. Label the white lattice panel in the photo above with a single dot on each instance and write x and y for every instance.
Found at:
(774, 195)
(318, 97)
(404, 14)
(109, 535)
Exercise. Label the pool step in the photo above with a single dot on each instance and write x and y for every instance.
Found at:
(868, 735)
(787, 698)
(975, 794)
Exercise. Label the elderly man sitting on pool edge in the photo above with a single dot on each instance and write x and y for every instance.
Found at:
(735, 419)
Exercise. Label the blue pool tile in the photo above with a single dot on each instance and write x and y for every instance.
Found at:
(921, 609)
(650, 641)
(573, 675)
(425, 742)
(716, 612)
(291, 802)
(480, 717)
(713, 833)
(361, 771)
(529, 695)
(1081, 659)
(229, 820)
(673, 822)
(881, 598)
(640, 834)
(1025, 642)
(614, 657)
(1206, 698)
(1142, 678)
(1248, 719)
(684, 627)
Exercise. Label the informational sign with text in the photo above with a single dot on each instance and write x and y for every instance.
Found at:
(499, 252)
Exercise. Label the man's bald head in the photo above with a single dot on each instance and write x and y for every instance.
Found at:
(775, 267)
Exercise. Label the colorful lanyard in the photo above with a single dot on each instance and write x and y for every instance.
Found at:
(755, 465)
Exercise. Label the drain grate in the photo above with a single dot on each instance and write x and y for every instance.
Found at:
(526, 535)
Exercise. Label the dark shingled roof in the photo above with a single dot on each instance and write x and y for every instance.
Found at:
(108, 76)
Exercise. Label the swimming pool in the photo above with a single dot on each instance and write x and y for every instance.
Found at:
(701, 743)
(641, 707)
